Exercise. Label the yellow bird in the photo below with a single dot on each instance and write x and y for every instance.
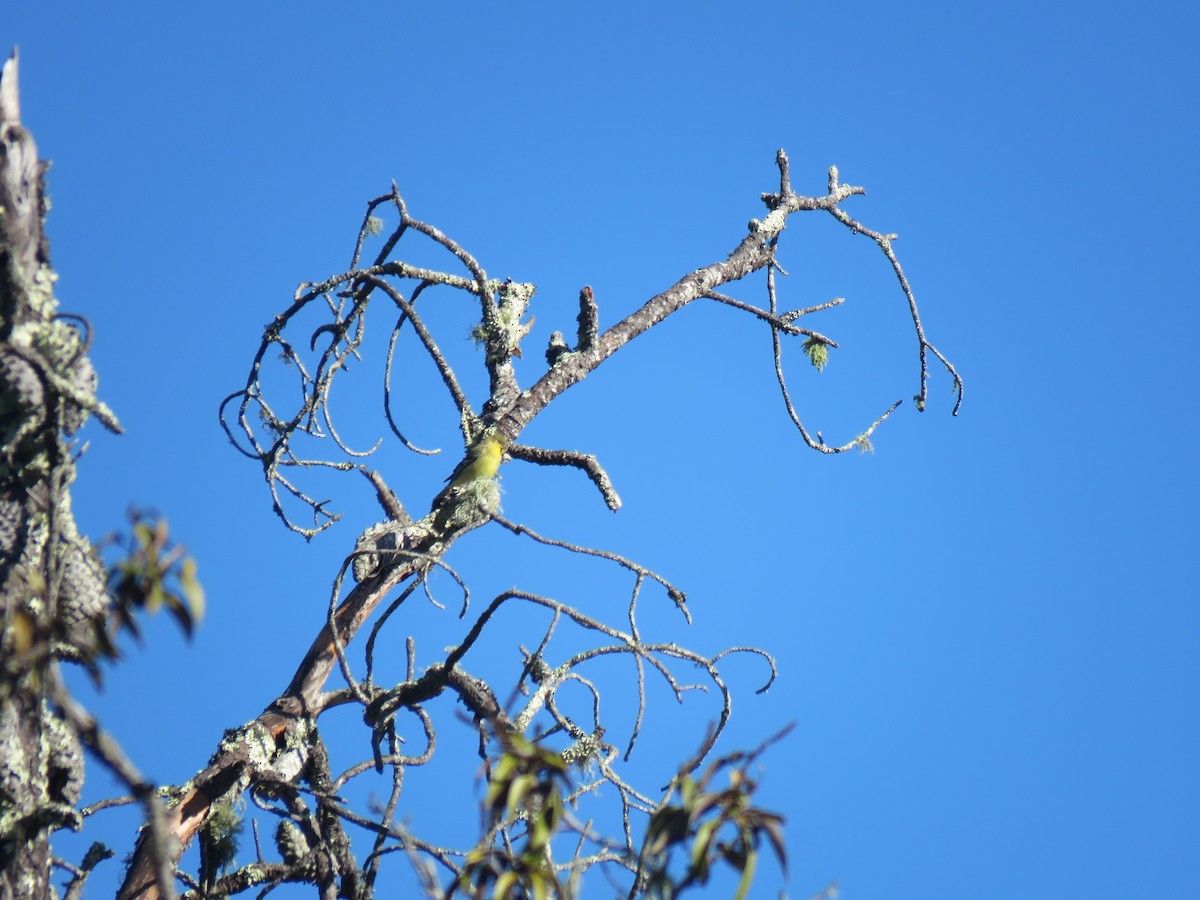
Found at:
(481, 462)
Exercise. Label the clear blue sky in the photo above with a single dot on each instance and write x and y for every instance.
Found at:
(987, 631)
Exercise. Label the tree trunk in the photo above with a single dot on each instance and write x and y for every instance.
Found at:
(51, 585)
(24, 838)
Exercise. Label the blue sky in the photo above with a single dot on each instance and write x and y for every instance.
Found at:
(987, 631)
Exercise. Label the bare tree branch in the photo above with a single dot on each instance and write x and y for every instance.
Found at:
(399, 553)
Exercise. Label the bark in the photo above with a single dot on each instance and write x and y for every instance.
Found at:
(52, 587)
(277, 746)
(289, 717)
(24, 801)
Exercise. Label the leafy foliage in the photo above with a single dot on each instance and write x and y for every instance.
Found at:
(709, 825)
(154, 573)
(526, 785)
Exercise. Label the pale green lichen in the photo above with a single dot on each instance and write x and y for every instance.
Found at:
(502, 329)
(39, 293)
(584, 753)
(382, 543)
(255, 742)
(472, 504)
(818, 352)
(55, 349)
(223, 829)
(13, 766)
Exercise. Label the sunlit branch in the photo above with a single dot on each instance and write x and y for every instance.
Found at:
(583, 461)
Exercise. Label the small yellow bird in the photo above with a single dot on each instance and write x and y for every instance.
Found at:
(481, 462)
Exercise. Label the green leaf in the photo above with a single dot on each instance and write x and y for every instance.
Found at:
(667, 826)
(192, 591)
(517, 791)
(701, 846)
(504, 885)
(771, 827)
(748, 867)
(175, 606)
(687, 789)
(144, 534)
(553, 761)
(539, 833)
(505, 768)
(154, 599)
(552, 810)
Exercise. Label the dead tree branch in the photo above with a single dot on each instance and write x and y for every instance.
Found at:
(285, 438)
